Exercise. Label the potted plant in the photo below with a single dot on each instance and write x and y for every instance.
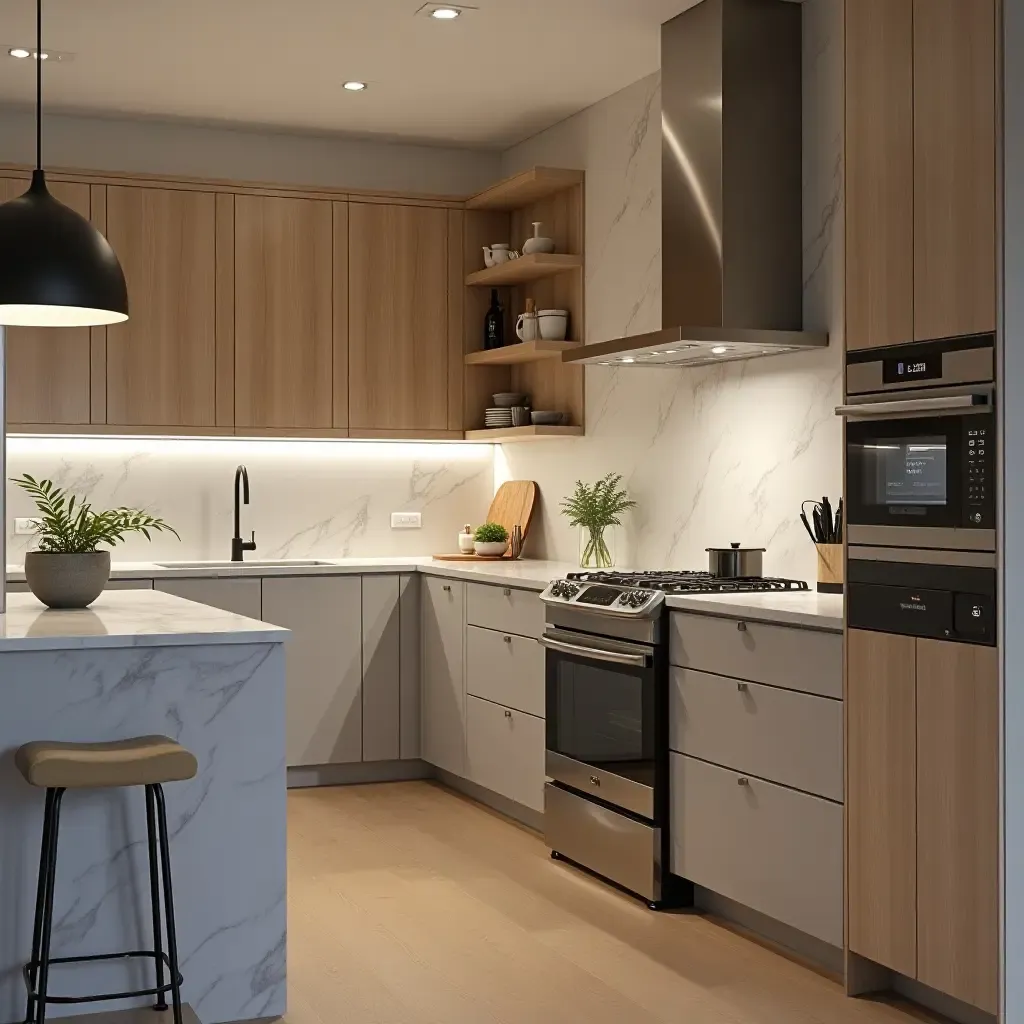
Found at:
(593, 509)
(490, 539)
(68, 570)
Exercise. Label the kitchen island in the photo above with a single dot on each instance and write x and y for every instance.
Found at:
(136, 663)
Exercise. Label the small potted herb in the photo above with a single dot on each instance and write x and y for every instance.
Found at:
(490, 539)
(68, 570)
(593, 509)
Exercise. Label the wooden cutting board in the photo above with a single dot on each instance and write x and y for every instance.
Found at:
(513, 503)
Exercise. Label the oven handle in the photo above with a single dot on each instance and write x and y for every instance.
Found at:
(582, 651)
(957, 404)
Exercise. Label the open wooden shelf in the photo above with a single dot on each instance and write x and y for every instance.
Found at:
(501, 434)
(525, 188)
(521, 352)
(527, 268)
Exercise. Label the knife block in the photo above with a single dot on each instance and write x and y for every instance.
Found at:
(830, 568)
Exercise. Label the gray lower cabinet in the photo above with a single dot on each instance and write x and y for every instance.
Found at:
(382, 668)
(781, 735)
(241, 596)
(768, 847)
(411, 674)
(505, 752)
(443, 694)
(324, 665)
(505, 669)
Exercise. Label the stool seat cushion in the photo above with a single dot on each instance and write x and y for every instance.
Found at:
(143, 761)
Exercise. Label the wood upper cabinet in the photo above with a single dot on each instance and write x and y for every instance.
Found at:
(161, 363)
(398, 317)
(881, 791)
(958, 821)
(48, 368)
(284, 313)
(920, 161)
(879, 172)
(954, 167)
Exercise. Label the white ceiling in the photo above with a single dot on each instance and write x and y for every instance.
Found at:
(492, 77)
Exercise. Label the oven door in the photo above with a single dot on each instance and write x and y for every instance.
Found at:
(600, 707)
(920, 480)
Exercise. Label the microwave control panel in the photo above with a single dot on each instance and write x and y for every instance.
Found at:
(979, 501)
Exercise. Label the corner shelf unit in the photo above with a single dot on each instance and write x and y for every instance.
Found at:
(505, 212)
(521, 352)
(503, 434)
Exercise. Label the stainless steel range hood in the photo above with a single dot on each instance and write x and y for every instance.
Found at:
(731, 165)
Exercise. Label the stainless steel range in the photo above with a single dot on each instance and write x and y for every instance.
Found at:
(606, 807)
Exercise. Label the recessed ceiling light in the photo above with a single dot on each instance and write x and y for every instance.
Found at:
(628, 359)
(20, 52)
(719, 350)
(445, 13)
(354, 86)
(23, 52)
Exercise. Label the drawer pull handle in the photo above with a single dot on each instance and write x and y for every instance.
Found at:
(742, 687)
(741, 626)
(507, 639)
(743, 781)
(507, 591)
(508, 714)
(594, 780)
(447, 589)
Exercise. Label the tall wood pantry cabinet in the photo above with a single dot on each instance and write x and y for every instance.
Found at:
(920, 170)
(922, 805)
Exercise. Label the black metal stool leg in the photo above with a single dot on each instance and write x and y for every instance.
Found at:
(47, 921)
(154, 892)
(172, 936)
(37, 927)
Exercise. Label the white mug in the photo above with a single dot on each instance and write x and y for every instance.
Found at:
(552, 324)
(526, 327)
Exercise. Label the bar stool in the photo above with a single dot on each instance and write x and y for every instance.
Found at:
(146, 761)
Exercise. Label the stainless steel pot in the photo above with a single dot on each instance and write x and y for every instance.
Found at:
(734, 562)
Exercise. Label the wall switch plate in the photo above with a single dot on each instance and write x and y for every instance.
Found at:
(406, 520)
(24, 525)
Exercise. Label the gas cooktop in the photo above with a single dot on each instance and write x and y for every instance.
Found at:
(681, 581)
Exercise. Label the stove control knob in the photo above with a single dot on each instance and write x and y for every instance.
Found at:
(635, 598)
(564, 589)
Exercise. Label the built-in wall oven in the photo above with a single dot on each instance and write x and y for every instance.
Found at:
(920, 489)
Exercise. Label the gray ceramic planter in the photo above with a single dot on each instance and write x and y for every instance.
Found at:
(67, 581)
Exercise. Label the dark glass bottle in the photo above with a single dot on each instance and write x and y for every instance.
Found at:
(494, 323)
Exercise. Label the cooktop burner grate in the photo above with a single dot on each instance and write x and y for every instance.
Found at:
(685, 582)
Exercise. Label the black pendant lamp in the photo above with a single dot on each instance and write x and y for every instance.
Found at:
(56, 269)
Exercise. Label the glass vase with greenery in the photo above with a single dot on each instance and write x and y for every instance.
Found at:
(594, 508)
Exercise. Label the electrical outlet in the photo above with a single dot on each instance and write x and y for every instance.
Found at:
(406, 520)
(24, 526)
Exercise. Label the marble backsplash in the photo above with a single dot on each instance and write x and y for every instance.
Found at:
(308, 498)
(711, 455)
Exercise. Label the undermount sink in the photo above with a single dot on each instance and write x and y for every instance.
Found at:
(255, 563)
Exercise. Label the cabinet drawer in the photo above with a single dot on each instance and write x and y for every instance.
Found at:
(505, 752)
(799, 659)
(505, 668)
(792, 738)
(505, 609)
(765, 846)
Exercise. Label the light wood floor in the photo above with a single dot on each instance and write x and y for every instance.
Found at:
(411, 905)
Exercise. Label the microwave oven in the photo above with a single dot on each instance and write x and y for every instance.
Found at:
(921, 446)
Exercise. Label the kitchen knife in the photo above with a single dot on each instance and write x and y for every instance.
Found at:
(819, 529)
(807, 527)
(839, 522)
(826, 520)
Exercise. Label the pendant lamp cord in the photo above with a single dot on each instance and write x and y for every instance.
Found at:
(39, 85)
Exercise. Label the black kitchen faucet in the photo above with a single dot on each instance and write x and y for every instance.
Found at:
(239, 546)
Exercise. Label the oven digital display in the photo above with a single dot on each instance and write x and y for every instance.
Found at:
(604, 596)
(924, 367)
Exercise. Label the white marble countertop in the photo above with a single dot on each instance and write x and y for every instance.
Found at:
(126, 618)
(802, 608)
